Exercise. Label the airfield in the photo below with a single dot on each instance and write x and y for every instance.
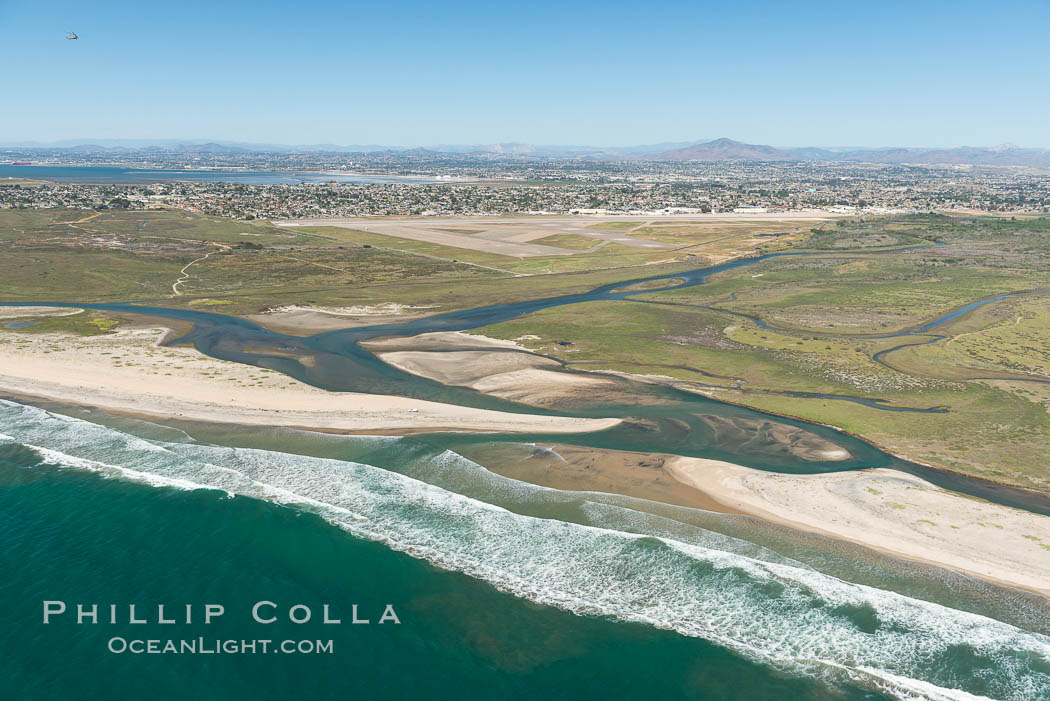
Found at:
(535, 236)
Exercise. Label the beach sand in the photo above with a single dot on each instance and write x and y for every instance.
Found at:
(16, 312)
(129, 372)
(306, 321)
(499, 368)
(891, 511)
(887, 510)
(585, 469)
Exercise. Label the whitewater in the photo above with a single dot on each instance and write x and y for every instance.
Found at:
(616, 563)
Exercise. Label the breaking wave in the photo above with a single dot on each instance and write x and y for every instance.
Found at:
(723, 590)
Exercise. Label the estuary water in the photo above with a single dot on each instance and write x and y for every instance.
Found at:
(657, 418)
(503, 589)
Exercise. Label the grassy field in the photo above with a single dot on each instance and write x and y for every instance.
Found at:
(574, 242)
(609, 256)
(691, 233)
(989, 431)
(251, 272)
(989, 371)
(616, 225)
(435, 293)
(246, 267)
(722, 241)
(157, 225)
(1010, 339)
(84, 323)
(62, 274)
(850, 294)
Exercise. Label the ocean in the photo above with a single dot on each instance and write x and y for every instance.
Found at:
(501, 589)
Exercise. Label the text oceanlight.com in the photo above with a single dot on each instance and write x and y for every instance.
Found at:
(203, 646)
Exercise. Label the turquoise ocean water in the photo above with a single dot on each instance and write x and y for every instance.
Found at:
(503, 590)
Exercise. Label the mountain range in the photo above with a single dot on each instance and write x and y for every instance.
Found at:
(714, 150)
(729, 150)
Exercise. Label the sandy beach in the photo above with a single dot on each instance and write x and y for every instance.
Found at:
(890, 511)
(128, 371)
(883, 509)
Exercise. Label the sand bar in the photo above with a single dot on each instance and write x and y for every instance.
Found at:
(496, 367)
(18, 312)
(883, 509)
(890, 511)
(128, 371)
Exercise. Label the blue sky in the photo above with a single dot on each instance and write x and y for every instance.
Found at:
(923, 73)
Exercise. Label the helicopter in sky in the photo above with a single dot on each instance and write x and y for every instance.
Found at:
(72, 36)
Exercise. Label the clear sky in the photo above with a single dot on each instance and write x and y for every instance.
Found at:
(920, 73)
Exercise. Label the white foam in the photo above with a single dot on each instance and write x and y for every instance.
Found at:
(61, 459)
(917, 689)
(774, 611)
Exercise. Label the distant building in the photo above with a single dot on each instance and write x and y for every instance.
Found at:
(749, 210)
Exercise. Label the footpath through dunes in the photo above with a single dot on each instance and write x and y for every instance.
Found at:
(595, 558)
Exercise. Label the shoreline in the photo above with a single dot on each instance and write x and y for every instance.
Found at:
(886, 449)
(833, 504)
(128, 371)
(882, 509)
(727, 488)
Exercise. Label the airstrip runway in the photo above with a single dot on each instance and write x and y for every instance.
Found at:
(514, 236)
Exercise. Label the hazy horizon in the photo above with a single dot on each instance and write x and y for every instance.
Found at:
(145, 142)
(932, 75)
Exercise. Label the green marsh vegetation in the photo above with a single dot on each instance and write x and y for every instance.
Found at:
(989, 368)
(83, 323)
(830, 313)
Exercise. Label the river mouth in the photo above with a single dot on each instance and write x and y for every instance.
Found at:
(771, 592)
(657, 418)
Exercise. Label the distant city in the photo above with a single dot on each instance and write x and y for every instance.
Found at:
(719, 176)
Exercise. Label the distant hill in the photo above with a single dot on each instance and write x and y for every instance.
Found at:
(722, 149)
(1007, 155)
(729, 150)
